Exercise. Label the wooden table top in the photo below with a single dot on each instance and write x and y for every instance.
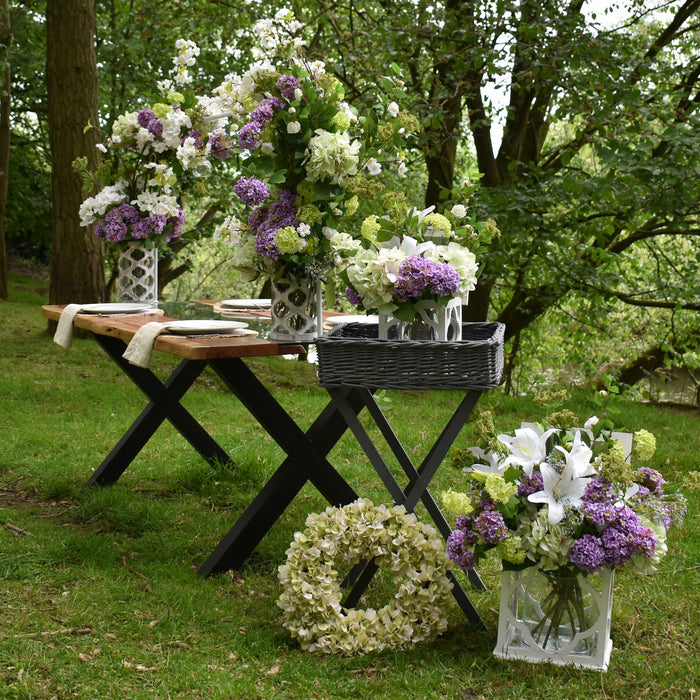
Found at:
(188, 347)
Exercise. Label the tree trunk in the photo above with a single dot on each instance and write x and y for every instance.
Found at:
(77, 260)
(5, 106)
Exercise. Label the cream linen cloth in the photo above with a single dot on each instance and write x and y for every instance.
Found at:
(64, 331)
(140, 349)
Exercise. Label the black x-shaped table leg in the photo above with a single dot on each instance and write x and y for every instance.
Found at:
(306, 461)
(164, 404)
(419, 479)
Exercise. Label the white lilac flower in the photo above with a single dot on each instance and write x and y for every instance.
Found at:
(527, 448)
(459, 211)
(162, 175)
(154, 204)
(393, 109)
(316, 69)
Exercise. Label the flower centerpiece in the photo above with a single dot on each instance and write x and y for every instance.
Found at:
(559, 505)
(417, 272)
(308, 160)
(152, 157)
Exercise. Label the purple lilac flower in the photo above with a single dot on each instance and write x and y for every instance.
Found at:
(116, 223)
(491, 527)
(287, 84)
(352, 296)
(651, 479)
(150, 224)
(177, 223)
(265, 244)
(531, 484)
(587, 553)
(251, 191)
(600, 514)
(218, 145)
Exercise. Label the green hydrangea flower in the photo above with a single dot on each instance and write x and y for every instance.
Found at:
(499, 489)
(644, 445)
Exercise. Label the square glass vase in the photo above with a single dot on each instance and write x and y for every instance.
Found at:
(555, 618)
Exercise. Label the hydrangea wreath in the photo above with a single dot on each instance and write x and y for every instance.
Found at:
(337, 539)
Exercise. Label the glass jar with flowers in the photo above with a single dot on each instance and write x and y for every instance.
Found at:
(308, 163)
(563, 509)
(152, 157)
(416, 273)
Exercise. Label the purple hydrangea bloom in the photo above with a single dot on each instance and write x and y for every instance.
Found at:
(248, 136)
(412, 278)
(490, 526)
(287, 84)
(145, 117)
(531, 484)
(600, 514)
(443, 280)
(599, 491)
(457, 552)
(587, 553)
(251, 191)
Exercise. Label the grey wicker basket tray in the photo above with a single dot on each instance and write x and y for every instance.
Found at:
(352, 355)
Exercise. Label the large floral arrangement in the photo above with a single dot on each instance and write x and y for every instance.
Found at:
(425, 257)
(337, 539)
(308, 159)
(152, 157)
(563, 497)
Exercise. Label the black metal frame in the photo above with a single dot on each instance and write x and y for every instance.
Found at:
(306, 454)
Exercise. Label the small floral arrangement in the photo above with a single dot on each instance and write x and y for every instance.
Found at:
(337, 539)
(308, 159)
(151, 158)
(563, 498)
(426, 258)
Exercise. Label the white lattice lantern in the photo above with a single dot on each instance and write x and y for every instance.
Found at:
(138, 273)
(433, 322)
(580, 640)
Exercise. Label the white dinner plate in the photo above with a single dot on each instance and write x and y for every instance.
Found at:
(246, 304)
(116, 308)
(197, 327)
(357, 318)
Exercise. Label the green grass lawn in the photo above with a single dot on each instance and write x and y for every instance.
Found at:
(100, 592)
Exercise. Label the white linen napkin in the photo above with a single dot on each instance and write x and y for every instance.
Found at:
(64, 331)
(140, 349)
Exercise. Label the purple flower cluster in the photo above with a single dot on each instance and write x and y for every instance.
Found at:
(530, 484)
(287, 84)
(196, 135)
(251, 191)
(264, 222)
(218, 145)
(487, 528)
(620, 533)
(352, 296)
(418, 275)
(259, 119)
(125, 221)
(148, 120)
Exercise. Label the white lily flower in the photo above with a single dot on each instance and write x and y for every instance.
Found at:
(579, 457)
(559, 490)
(528, 447)
(492, 465)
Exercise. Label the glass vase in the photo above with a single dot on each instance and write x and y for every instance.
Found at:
(297, 309)
(559, 616)
(433, 321)
(138, 272)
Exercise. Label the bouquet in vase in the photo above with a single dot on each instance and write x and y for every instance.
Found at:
(152, 157)
(308, 159)
(567, 501)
